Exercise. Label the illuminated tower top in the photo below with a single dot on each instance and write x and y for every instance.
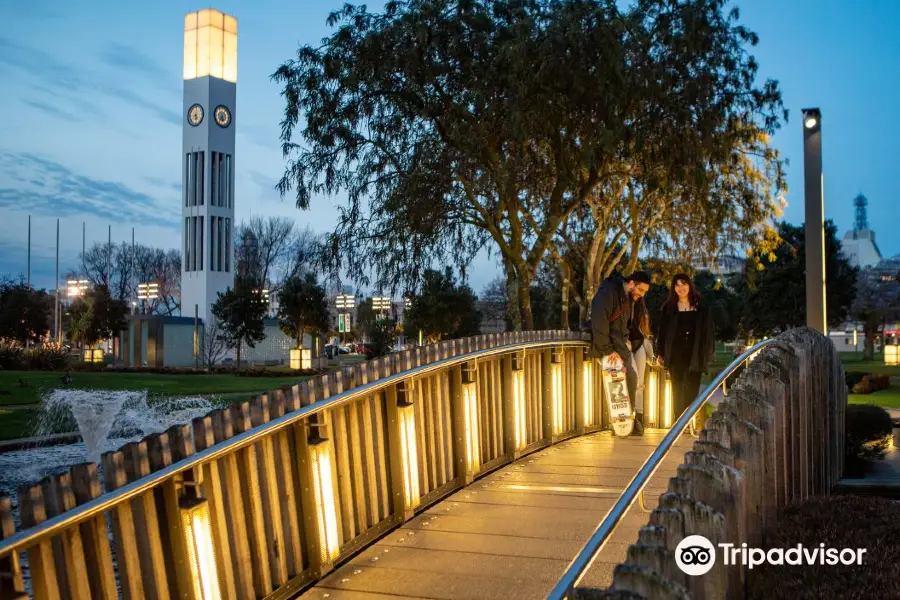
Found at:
(210, 45)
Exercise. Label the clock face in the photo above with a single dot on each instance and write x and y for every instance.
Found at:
(195, 115)
(223, 116)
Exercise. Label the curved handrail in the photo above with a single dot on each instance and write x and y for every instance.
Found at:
(582, 562)
(97, 506)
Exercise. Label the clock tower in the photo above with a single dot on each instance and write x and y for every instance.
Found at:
(207, 159)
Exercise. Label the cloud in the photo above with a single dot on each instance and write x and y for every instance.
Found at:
(60, 76)
(46, 187)
(169, 185)
(53, 111)
(130, 60)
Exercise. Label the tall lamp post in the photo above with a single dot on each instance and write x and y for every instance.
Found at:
(344, 302)
(815, 220)
(146, 292)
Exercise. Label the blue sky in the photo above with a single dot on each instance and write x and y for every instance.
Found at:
(91, 125)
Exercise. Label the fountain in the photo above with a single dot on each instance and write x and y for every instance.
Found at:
(106, 420)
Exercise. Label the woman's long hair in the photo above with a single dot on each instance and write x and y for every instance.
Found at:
(671, 303)
(643, 318)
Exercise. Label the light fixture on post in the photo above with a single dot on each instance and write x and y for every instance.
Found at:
(198, 539)
(652, 396)
(814, 202)
(556, 389)
(381, 304)
(588, 388)
(76, 287)
(322, 472)
(409, 455)
(301, 358)
(518, 396)
(470, 412)
(147, 292)
(891, 355)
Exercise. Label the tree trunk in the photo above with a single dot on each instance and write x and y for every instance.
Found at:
(512, 296)
(564, 293)
(870, 330)
(524, 291)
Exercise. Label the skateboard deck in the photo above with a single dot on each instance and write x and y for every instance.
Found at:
(620, 413)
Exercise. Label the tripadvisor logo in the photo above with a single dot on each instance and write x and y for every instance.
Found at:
(696, 555)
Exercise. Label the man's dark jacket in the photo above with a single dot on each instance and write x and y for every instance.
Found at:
(610, 301)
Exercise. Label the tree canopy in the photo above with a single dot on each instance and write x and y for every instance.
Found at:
(443, 309)
(240, 313)
(775, 292)
(26, 314)
(96, 315)
(453, 126)
(302, 307)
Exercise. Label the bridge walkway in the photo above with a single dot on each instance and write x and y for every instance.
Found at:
(512, 533)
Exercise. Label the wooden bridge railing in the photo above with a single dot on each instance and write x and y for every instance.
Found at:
(258, 499)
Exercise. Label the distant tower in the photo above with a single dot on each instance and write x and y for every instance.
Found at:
(860, 203)
(210, 82)
(859, 244)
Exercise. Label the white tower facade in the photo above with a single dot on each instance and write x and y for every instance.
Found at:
(207, 158)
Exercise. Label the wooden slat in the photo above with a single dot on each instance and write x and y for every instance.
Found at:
(98, 553)
(430, 456)
(203, 438)
(128, 562)
(269, 488)
(344, 475)
(147, 508)
(242, 564)
(285, 465)
(356, 468)
(422, 449)
(61, 498)
(48, 492)
(248, 467)
(41, 565)
(369, 478)
(437, 419)
(381, 458)
(13, 585)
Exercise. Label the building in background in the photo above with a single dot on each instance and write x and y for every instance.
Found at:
(859, 244)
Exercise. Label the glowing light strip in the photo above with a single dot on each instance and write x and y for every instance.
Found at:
(409, 455)
(470, 406)
(518, 383)
(324, 494)
(588, 392)
(652, 397)
(556, 383)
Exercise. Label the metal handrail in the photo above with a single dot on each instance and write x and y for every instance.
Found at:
(583, 561)
(97, 506)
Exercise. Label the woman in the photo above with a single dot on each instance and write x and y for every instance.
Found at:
(642, 353)
(686, 342)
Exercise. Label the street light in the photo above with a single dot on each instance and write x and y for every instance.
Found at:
(815, 220)
(147, 291)
(381, 304)
(76, 287)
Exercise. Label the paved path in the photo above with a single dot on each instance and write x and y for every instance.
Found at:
(514, 532)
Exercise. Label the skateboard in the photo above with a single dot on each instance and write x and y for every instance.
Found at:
(620, 413)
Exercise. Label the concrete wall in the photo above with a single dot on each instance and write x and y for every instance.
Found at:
(776, 440)
(178, 343)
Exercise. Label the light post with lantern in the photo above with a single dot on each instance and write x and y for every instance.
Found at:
(815, 220)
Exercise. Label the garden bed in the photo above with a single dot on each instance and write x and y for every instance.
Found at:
(838, 522)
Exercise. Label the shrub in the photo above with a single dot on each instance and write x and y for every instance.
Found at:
(871, 382)
(867, 433)
(852, 378)
(14, 358)
(838, 522)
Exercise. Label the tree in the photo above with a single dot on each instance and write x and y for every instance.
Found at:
(302, 307)
(121, 267)
(272, 250)
(213, 343)
(435, 122)
(877, 300)
(240, 312)
(443, 309)
(775, 290)
(26, 314)
(96, 315)
(725, 305)
(493, 303)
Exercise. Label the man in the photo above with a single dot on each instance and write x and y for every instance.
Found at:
(612, 310)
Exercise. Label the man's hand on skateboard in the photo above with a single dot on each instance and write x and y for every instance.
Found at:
(615, 361)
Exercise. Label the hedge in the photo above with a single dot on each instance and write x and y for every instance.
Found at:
(869, 523)
(867, 430)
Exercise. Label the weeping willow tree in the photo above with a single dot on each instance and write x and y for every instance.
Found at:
(449, 126)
